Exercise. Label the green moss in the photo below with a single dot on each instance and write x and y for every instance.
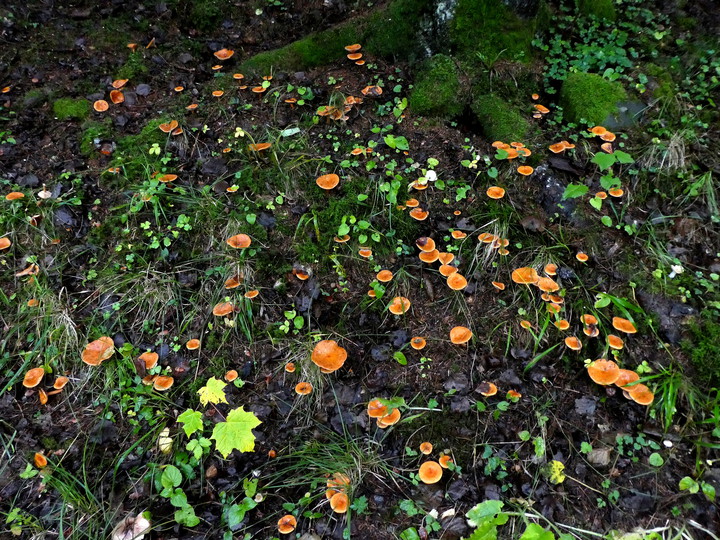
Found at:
(704, 349)
(499, 120)
(133, 67)
(665, 85)
(437, 89)
(34, 98)
(602, 9)
(67, 108)
(590, 97)
(489, 29)
(93, 130)
(393, 32)
(204, 14)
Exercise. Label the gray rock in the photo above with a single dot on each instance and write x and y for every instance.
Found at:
(600, 457)
(457, 382)
(29, 180)
(586, 405)
(143, 90)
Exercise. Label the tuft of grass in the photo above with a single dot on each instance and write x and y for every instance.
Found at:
(590, 97)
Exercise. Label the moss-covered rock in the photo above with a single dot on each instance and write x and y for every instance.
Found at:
(133, 67)
(602, 9)
(69, 108)
(393, 32)
(489, 29)
(437, 89)
(590, 97)
(704, 349)
(499, 119)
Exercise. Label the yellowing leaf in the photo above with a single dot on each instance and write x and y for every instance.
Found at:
(165, 442)
(236, 432)
(555, 472)
(212, 392)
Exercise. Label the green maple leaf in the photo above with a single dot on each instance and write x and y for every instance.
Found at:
(236, 432)
(212, 392)
(191, 421)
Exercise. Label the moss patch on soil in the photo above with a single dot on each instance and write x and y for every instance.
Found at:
(704, 349)
(437, 89)
(602, 9)
(71, 109)
(499, 120)
(589, 96)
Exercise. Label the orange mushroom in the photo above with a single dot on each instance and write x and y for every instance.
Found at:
(446, 269)
(223, 54)
(562, 324)
(399, 305)
(430, 472)
(426, 448)
(259, 147)
(251, 294)
(286, 524)
(460, 335)
(365, 252)
(384, 276)
(390, 419)
(625, 377)
(239, 241)
(328, 355)
(101, 105)
(5, 243)
(445, 461)
(169, 126)
(495, 192)
(603, 371)
(223, 308)
(233, 282)
(150, 359)
(641, 394)
(376, 409)
(615, 342)
(419, 214)
(98, 351)
(231, 375)
(355, 47)
(499, 285)
(33, 377)
(456, 281)
(163, 383)
(116, 96)
(487, 389)
(582, 257)
(571, 342)
(192, 344)
(60, 382)
(623, 325)
(40, 460)
(290, 367)
(328, 181)
(525, 170)
(14, 196)
(303, 388)
(425, 243)
(418, 343)
(525, 276)
(339, 503)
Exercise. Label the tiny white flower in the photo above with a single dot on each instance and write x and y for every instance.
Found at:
(431, 176)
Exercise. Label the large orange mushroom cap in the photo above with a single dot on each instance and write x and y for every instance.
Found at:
(163, 383)
(626, 377)
(429, 256)
(223, 308)
(425, 243)
(287, 524)
(340, 503)
(376, 409)
(384, 276)
(460, 335)
(641, 394)
(223, 54)
(150, 359)
(239, 241)
(14, 196)
(525, 170)
(328, 355)
(547, 284)
(571, 342)
(456, 281)
(525, 276)
(615, 342)
(623, 325)
(98, 351)
(603, 371)
(101, 105)
(399, 305)
(390, 419)
(258, 147)
(430, 472)
(495, 192)
(328, 181)
(5, 243)
(33, 377)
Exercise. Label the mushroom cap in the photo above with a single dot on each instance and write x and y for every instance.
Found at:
(287, 524)
(458, 235)
(550, 269)
(116, 96)
(586, 318)
(412, 203)
(547, 284)
(419, 214)
(460, 335)
(429, 256)
(14, 195)
(223, 308)
(525, 276)
(430, 472)
(615, 342)
(445, 461)
(571, 342)
(150, 359)
(223, 54)
(626, 377)
(447, 270)
(557, 148)
(365, 252)
(339, 503)
(418, 343)
(355, 47)
(119, 83)
(390, 419)
(101, 105)
(525, 170)
(328, 181)
(169, 126)
(98, 351)
(456, 281)
(5, 242)
(582, 257)
(562, 324)
(239, 241)
(425, 243)
(290, 367)
(598, 130)
(60, 382)
(603, 371)
(499, 285)
(399, 305)
(328, 355)
(192, 344)
(426, 447)
(303, 388)
(623, 325)
(33, 377)
(495, 192)
(163, 382)
(251, 294)
(641, 394)
(376, 409)
(542, 109)
(384, 276)
(40, 460)
(354, 56)
(487, 389)
(445, 258)
(231, 375)
(257, 147)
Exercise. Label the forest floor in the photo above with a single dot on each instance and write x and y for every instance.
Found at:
(103, 241)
